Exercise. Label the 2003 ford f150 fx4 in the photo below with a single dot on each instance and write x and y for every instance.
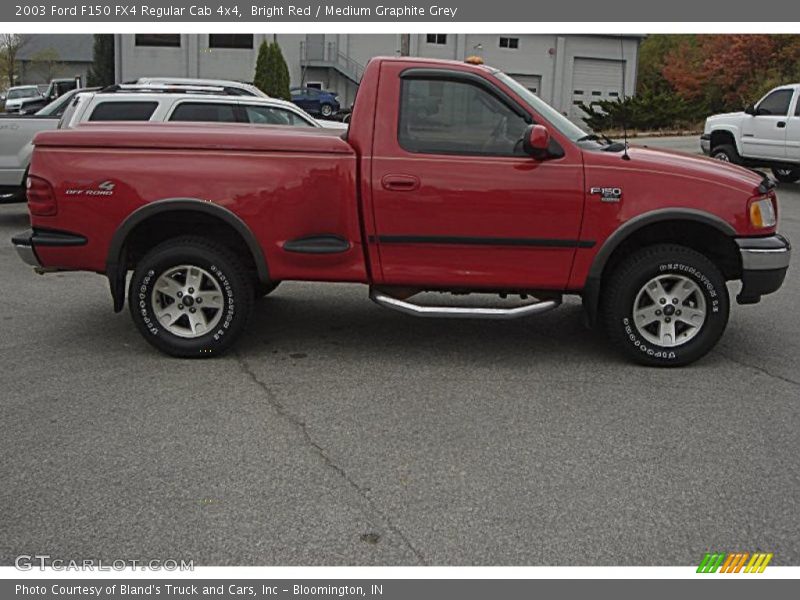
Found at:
(452, 177)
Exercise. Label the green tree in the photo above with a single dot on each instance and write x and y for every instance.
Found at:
(282, 70)
(262, 75)
(272, 73)
(10, 45)
(101, 73)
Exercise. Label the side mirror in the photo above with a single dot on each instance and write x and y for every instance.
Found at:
(536, 141)
(751, 110)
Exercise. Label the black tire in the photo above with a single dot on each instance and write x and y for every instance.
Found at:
(786, 175)
(726, 153)
(265, 289)
(623, 287)
(326, 110)
(221, 268)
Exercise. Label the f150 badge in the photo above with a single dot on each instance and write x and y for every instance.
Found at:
(105, 188)
(607, 194)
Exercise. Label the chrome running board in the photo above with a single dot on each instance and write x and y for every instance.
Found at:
(461, 312)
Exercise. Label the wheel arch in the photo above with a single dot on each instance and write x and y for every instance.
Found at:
(728, 133)
(694, 228)
(118, 257)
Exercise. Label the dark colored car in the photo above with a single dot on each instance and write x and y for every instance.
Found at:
(316, 101)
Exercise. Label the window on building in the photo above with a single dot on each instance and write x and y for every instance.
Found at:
(163, 40)
(242, 41)
(123, 111)
(272, 115)
(215, 112)
(451, 117)
(511, 43)
(439, 39)
(777, 103)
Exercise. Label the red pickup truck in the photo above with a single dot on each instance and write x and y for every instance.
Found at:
(452, 177)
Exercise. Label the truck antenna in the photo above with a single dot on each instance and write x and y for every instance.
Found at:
(624, 99)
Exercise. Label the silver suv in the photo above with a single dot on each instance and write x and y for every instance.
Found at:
(162, 103)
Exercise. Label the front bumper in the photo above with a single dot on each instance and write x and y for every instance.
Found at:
(705, 143)
(25, 243)
(764, 265)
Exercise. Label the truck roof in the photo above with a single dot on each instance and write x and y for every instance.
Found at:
(241, 137)
(443, 62)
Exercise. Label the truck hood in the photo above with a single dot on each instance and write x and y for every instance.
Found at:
(726, 116)
(680, 164)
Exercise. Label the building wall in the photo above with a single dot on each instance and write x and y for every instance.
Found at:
(32, 73)
(548, 57)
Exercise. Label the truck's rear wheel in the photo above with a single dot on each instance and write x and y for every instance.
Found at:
(190, 297)
(665, 305)
(726, 153)
(786, 175)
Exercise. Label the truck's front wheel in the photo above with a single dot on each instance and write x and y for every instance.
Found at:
(726, 153)
(190, 297)
(665, 305)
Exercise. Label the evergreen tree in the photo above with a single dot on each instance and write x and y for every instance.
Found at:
(272, 73)
(101, 73)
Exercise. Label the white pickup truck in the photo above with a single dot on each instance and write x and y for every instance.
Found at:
(766, 134)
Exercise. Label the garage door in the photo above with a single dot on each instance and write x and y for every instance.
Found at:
(592, 80)
(532, 82)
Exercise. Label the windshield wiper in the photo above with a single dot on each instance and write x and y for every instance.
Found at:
(593, 137)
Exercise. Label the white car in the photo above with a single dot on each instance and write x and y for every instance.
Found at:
(194, 103)
(766, 134)
(16, 95)
(231, 88)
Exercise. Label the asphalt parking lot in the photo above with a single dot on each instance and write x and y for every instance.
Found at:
(342, 433)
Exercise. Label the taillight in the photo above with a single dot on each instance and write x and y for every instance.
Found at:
(41, 197)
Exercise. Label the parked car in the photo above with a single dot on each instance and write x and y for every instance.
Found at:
(193, 103)
(766, 134)
(16, 144)
(495, 192)
(316, 101)
(231, 88)
(16, 95)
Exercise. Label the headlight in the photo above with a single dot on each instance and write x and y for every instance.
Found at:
(762, 213)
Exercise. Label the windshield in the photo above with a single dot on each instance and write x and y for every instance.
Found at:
(556, 119)
(23, 93)
(57, 106)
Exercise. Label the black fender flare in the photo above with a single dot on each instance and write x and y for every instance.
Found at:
(591, 289)
(116, 261)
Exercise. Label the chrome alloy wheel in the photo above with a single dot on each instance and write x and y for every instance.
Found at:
(669, 310)
(187, 301)
(722, 156)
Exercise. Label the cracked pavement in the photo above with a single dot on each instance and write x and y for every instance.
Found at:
(342, 433)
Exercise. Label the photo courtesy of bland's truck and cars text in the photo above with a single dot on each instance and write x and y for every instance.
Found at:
(392, 300)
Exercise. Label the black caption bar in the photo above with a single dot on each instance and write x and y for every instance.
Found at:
(476, 11)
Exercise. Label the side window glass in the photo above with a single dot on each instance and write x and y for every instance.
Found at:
(777, 103)
(452, 117)
(123, 111)
(204, 111)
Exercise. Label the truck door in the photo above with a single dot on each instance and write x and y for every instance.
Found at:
(764, 134)
(455, 200)
(793, 132)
